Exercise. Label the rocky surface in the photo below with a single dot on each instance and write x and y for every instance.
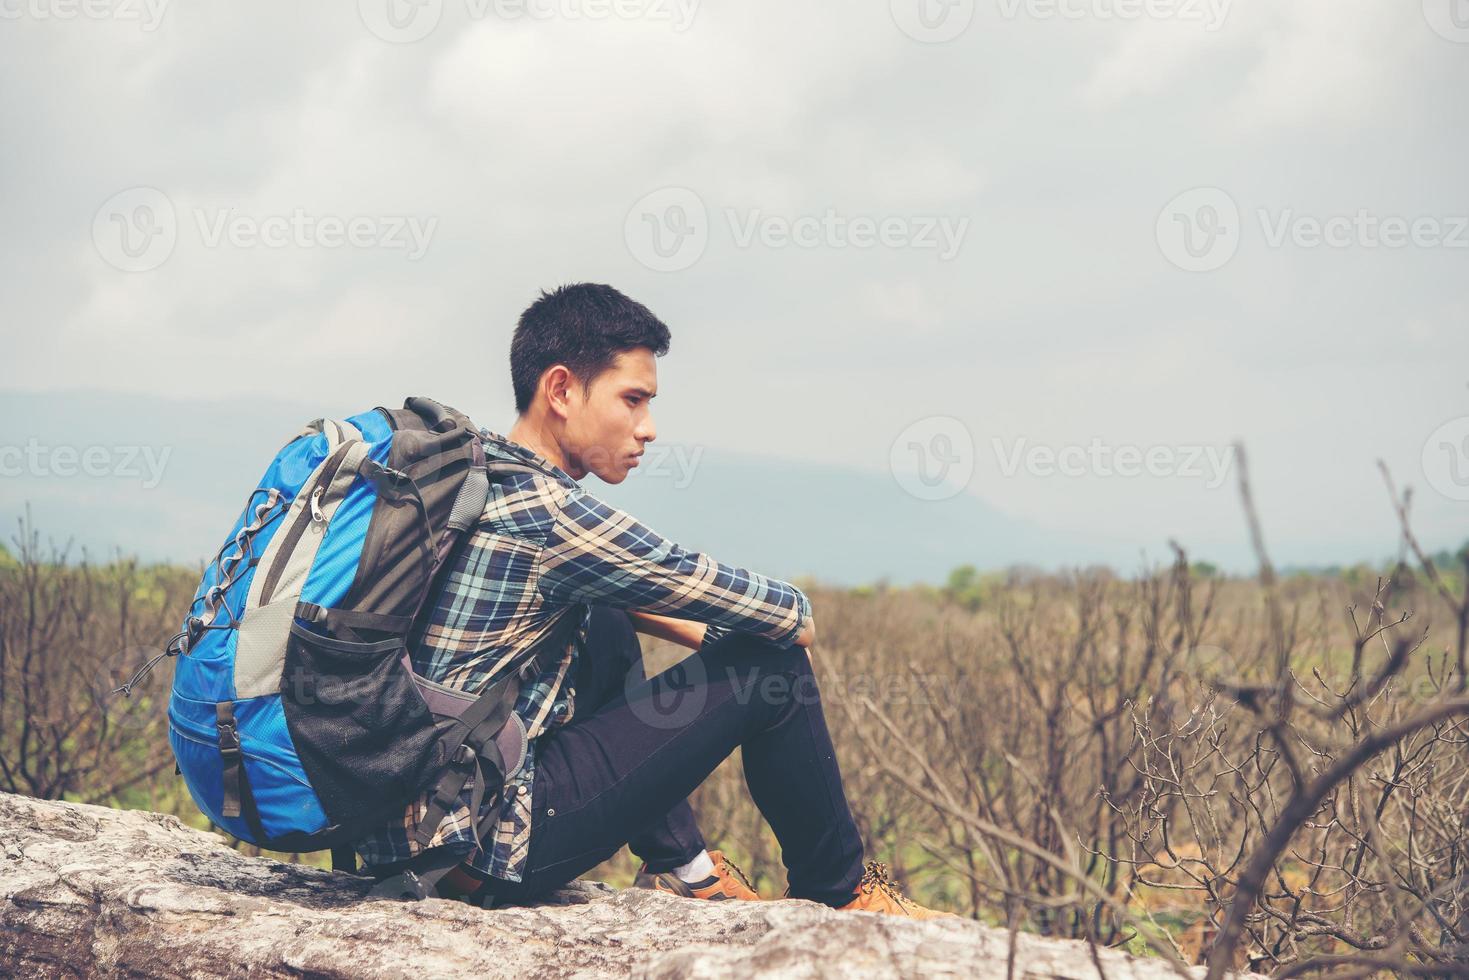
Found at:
(88, 891)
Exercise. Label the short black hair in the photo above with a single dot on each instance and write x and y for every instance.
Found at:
(583, 325)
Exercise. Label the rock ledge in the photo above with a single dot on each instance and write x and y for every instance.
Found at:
(88, 891)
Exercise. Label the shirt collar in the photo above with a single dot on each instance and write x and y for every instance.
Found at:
(498, 445)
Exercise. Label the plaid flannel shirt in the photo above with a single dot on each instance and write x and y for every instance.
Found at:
(543, 552)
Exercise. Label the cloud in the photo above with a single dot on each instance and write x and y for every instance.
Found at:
(528, 141)
(1309, 62)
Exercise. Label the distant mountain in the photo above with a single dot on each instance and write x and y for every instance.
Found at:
(838, 525)
(163, 480)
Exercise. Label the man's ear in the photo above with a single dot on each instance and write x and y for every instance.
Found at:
(557, 383)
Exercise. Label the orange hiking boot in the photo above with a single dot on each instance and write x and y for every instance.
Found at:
(878, 893)
(726, 882)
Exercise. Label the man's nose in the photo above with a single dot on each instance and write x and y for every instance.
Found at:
(647, 431)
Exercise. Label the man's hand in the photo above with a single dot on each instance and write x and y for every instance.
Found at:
(807, 636)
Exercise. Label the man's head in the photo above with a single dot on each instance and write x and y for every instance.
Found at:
(582, 364)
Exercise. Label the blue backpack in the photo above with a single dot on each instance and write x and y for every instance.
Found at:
(295, 718)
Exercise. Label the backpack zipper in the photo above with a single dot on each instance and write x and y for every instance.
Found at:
(308, 515)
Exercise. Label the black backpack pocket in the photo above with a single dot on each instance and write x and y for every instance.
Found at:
(364, 734)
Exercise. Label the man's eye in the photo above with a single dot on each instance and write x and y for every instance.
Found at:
(632, 400)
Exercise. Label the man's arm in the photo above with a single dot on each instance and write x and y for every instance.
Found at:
(597, 554)
(687, 633)
(684, 632)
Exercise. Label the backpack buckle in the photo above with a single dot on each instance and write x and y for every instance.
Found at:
(229, 735)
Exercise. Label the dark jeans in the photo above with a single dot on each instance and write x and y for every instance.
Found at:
(621, 771)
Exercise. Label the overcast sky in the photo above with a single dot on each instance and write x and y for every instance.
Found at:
(1055, 255)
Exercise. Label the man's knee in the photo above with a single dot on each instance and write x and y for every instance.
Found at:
(763, 674)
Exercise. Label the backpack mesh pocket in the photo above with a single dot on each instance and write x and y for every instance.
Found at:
(364, 734)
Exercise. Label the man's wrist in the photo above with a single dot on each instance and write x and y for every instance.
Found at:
(713, 634)
(803, 617)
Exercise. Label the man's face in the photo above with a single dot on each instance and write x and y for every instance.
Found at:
(606, 432)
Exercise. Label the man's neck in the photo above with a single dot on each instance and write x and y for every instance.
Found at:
(538, 439)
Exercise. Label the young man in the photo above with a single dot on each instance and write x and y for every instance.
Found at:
(555, 585)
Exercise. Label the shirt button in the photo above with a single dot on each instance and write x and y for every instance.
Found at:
(550, 811)
(523, 790)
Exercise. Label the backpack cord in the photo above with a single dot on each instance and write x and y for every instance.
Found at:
(171, 650)
(242, 560)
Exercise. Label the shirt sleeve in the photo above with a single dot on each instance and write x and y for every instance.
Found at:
(597, 554)
(713, 634)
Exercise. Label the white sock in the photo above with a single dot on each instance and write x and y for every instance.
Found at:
(696, 870)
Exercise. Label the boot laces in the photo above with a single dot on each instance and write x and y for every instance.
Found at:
(738, 873)
(875, 876)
